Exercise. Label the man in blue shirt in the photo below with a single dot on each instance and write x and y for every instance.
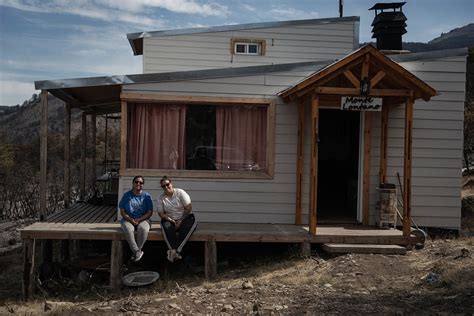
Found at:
(136, 208)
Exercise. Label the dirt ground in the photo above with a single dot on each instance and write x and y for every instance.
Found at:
(260, 279)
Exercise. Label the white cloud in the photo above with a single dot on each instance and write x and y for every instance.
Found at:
(286, 13)
(248, 7)
(134, 12)
(14, 92)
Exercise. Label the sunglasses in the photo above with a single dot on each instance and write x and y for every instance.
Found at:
(138, 182)
(165, 185)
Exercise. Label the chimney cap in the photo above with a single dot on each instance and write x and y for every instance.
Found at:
(391, 5)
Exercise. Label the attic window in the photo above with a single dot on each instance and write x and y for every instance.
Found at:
(248, 47)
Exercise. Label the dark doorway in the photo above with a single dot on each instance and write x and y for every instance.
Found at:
(338, 162)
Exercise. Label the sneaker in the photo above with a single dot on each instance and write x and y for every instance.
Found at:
(171, 255)
(138, 256)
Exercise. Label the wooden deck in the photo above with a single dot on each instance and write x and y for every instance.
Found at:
(87, 222)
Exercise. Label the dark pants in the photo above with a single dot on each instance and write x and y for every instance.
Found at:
(177, 238)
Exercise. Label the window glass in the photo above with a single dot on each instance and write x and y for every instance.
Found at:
(197, 137)
(253, 49)
(240, 48)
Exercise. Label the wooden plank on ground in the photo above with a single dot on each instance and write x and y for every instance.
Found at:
(367, 248)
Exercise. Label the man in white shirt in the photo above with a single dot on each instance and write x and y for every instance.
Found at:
(177, 220)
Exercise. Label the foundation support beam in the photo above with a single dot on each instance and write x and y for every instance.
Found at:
(210, 259)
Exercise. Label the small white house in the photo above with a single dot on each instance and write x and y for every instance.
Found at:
(249, 120)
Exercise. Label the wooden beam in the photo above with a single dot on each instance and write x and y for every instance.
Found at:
(376, 79)
(407, 164)
(43, 155)
(300, 164)
(210, 259)
(93, 150)
(123, 136)
(383, 143)
(365, 67)
(116, 260)
(190, 99)
(305, 249)
(353, 79)
(390, 92)
(337, 91)
(28, 284)
(82, 194)
(67, 156)
(366, 177)
(313, 187)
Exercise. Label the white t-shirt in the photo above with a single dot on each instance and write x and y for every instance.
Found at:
(173, 206)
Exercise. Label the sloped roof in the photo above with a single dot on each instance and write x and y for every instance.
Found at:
(136, 39)
(348, 71)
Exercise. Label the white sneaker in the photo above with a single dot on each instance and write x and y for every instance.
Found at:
(138, 256)
(171, 255)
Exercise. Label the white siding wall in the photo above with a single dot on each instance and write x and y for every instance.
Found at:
(287, 44)
(235, 200)
(437, 145)
(437, 150)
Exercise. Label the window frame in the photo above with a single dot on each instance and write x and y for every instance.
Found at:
(261, 44)
(267, 173)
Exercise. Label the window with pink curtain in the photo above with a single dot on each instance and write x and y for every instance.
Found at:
(156, 136)
(241, 138)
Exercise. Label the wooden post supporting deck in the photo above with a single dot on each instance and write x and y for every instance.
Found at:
(116, 261)
(94, 143)
(313, 181)
(299, 164)
(210, 259)
(28, 284)
(123, 135)
(366, 179)
(407, 163)
(67, 156)
(306, 249)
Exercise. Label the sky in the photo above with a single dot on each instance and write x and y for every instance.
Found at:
(59, 39)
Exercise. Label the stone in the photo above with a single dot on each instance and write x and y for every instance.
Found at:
(247, 285)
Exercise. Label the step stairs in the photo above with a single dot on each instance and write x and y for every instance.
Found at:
(364, 248)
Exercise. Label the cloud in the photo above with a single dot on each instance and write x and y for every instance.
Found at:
(134, 12)
(15, 92)
(287, 13)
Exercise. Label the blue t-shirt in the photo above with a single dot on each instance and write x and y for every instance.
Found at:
(136, 205)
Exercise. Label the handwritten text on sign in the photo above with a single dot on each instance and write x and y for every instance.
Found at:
(361, 103)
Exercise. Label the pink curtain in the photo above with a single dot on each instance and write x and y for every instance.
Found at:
(241, 137)
(156, 136)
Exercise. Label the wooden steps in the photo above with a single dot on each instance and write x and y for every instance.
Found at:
(365, 248)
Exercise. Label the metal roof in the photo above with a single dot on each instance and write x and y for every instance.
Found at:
(136, 39)
(102, 94)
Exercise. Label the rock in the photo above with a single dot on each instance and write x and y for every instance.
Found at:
(431, 277)
(247, 285)
(174, 306)
(227, 308)
(339, 274)
(197, 301)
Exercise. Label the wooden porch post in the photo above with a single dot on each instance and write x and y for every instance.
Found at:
(299, 163)
(64, 244)
(94, 144)
(83, 157)
(43, 154)
(313, 184)
(366, 179)
(407, 163)
(383, 143)
(67, 156)
(123, 135)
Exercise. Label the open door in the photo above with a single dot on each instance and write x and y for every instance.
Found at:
(338, 166)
